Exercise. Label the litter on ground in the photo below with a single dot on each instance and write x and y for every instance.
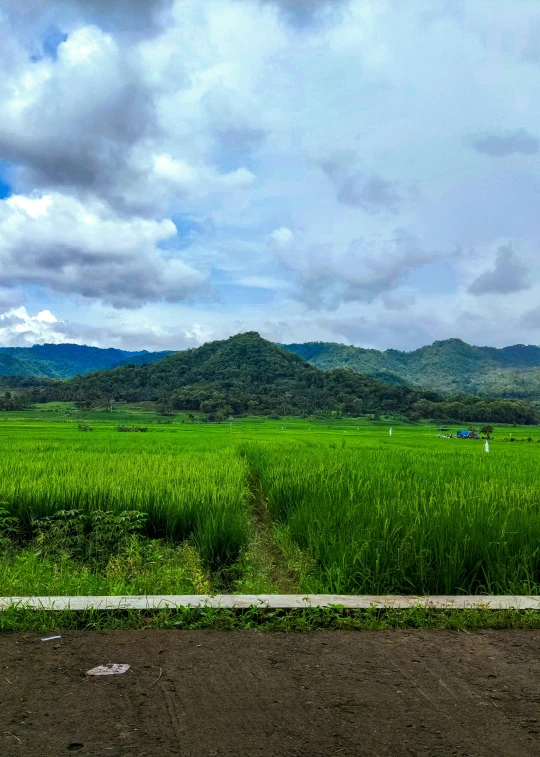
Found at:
(108, 670)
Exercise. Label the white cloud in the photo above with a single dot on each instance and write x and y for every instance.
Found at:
(221, 115)
(34, 207)
(19, 329)
(57, 242)
(45, 316)
(282, 236)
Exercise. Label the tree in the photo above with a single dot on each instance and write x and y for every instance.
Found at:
(165, 408)
(487, 431)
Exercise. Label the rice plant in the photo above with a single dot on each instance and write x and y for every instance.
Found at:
(356, 510)
(202, 495)
(401, 520)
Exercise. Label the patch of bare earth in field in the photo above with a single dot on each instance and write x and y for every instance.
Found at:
(253, 694)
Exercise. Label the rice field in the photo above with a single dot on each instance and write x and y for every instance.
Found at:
(347, 508)
(397, 520)
(186, 493)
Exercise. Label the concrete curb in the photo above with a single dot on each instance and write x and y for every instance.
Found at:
(272, 601)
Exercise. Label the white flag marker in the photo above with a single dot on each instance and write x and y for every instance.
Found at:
(487, 446)
(390, 432)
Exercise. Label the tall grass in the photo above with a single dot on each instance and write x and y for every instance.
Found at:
(413, 514)
(195, 494)
(401, 520)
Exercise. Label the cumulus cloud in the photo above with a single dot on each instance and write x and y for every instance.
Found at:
(92, 123)
(302, 12)
(135, 334)
(508, 275)
(232, 121)
(354, 187)
(144, 17)
(71, 123)
(199, 180)
(282, 236)
(329, 275)
(295, 136)
(20, 329)
(59, 243)
(505, 144)
(130, 15)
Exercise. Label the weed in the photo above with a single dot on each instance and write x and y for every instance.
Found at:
(289, 621)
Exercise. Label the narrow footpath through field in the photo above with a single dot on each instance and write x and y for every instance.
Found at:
(252, 694)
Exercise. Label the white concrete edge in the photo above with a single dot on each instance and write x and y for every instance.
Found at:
(272, 601)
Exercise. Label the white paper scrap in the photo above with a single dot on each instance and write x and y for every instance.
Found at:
(108, 670)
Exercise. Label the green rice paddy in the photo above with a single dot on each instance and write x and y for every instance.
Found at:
(272, 505)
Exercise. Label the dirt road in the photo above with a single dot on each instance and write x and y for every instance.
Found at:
(257, 694)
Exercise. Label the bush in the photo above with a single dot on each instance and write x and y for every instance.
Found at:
(10, 528)
(132, 429)
(95, 536)
(84, 427)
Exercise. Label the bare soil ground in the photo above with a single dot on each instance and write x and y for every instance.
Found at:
(192, 693)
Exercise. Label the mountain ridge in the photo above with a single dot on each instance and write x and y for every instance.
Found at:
(59, 361)
(248, 375)
(448, 366)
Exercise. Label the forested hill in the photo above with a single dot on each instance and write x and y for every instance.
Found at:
(247, 374)
(449, 367)
(66, 360)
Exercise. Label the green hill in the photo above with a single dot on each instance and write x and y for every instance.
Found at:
(143, 358)
(448, 367)
(249, 375)
(66, 360)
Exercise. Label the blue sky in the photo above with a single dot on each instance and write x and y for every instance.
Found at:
(360, 171)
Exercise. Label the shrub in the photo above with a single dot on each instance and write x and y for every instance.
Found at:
(10, 527)
(96, 536)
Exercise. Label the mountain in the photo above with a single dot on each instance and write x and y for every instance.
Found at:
(249, 375)
(449, 367)
(142, 358)
(65, 360)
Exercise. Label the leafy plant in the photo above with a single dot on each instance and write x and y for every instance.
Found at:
(87, 536)
(10, 526)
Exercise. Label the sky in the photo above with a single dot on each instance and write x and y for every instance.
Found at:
(354, 171)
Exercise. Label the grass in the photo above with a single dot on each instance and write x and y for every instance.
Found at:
(153, 567)
(262, 506)
(286, 621)
(398, 520)
(186, 493)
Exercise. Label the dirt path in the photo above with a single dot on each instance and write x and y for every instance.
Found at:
(254, 694)
(264, 555)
